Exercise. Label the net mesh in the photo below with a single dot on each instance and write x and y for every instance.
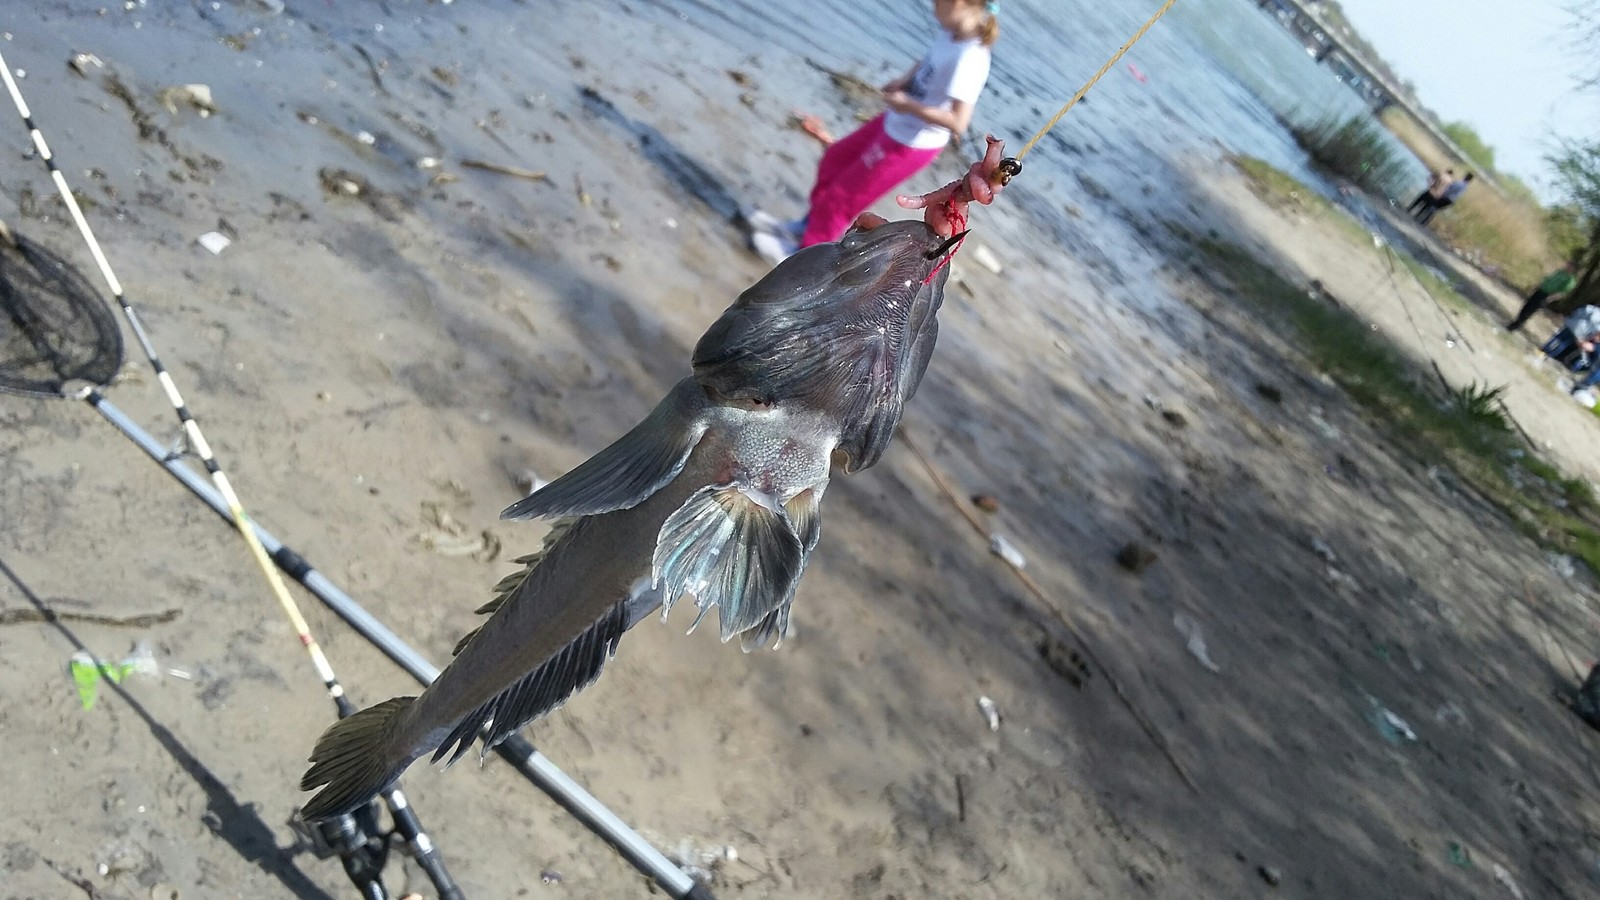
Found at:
(55, 329)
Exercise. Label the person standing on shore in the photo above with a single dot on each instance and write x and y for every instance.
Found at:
(925, 106)
(1437, 182)
(1560, 281)
(1448, 198)
(1573, 344)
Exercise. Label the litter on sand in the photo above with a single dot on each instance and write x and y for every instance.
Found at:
(215, 241)
(1195, 641)
(87, 671)
(1004, 549)
(991, 712)
(197, 96)
(1394, 729)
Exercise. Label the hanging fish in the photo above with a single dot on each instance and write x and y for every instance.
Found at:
(716, 494)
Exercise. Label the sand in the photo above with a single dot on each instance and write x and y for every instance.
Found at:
(361, 363)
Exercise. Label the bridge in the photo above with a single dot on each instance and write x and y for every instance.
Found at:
(1321, 40)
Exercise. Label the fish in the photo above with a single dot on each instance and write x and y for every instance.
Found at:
(715, 495)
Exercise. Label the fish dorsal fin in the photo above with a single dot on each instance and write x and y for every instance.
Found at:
(805, 514)
(637, 465)
(509, 584)
(543, 690)
(731, 550)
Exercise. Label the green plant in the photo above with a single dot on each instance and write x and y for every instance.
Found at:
(1357, 149)
(1479, 408)
(1467, 429)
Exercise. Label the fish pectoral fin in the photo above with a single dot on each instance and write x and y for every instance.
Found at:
(571, 669)
(730, 551)
(637, 465)
(805, 514)
(769, 632)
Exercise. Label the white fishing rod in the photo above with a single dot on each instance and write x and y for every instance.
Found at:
(220, 495)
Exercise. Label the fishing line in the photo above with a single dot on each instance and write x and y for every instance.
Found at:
(1443, 316)
(405, 821)
(1085, 89)
(1390, 257)
(1547, 637)
(1009, 168)
(1148, 727)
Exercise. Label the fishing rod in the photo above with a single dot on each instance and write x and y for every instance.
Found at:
(516, 749)
(354, 839)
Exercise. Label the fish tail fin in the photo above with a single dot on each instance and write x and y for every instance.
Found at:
(356, 758)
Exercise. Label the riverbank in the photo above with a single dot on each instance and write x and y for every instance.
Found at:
(366, 362)
(1503, 231)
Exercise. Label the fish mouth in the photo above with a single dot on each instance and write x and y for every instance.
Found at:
(946, 247)
(892, 261)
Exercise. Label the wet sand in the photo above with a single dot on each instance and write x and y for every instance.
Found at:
(359, 361)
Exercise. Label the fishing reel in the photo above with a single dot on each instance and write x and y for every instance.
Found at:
(362, 846)
(357, 840)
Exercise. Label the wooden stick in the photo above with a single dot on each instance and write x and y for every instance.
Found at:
(1038, 593)
(498, 169)
(42, 615)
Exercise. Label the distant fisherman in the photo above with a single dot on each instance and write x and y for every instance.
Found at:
(1574, 345)
(1437, 182)
(1446, 199)
(1560, 281)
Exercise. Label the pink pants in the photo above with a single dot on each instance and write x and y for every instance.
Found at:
(858, 169)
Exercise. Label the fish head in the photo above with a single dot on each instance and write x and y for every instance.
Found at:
(845, 328)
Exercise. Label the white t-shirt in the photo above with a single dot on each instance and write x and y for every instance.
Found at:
(1584, 322)
(952, 70)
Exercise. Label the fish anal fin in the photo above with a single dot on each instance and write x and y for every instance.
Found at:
(543, 690)
(635, 466)
(730, 551)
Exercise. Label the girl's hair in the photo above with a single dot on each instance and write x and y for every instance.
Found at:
(990, 31)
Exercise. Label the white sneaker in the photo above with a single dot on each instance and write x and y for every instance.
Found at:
(1585, 397)
(772, 247)
(762, 221)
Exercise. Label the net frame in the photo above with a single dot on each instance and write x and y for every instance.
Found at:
(57, 334)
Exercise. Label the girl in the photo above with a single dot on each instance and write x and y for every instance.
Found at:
(925, 106)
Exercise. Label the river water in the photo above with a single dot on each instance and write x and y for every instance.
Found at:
(1213, 77)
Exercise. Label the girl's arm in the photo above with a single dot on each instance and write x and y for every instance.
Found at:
(956, 118)
(899, 84)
